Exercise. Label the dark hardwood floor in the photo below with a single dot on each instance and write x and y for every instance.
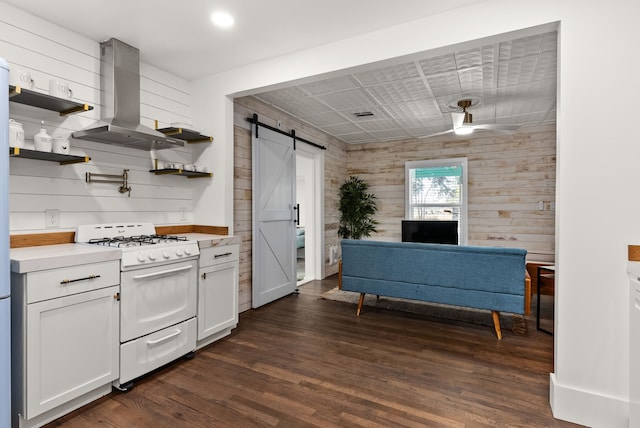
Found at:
(303, 361)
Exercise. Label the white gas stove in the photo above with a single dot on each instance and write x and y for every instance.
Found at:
(158, 295)
(140, 244)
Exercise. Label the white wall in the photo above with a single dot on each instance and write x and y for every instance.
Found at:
(595, 220)
(48, 51)
(304, 187)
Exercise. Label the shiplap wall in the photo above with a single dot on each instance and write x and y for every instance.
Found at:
(48, 51)
(334, 176)
(508, 176)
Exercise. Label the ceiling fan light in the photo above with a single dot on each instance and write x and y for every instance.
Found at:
(463, 130)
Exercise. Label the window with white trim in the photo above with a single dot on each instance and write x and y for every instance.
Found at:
(437, 190)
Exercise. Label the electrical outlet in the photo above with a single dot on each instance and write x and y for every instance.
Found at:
(541, 205)
(52, 218)
(183, 214)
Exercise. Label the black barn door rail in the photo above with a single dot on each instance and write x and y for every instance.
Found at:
(291, 134)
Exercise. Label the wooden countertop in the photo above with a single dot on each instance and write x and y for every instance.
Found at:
(68, 237)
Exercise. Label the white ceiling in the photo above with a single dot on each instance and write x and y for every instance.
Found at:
(178, 36)
(512, 81)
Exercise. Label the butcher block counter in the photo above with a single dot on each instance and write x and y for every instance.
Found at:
(30, 259)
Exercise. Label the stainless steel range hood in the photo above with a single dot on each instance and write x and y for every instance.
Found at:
(120, 103)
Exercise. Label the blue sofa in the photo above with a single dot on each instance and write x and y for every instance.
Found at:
(488, 278)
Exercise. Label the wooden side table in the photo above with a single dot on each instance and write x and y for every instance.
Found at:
(548, 272)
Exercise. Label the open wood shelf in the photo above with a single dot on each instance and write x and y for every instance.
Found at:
(47, 156)
(188, 174)
(64, 107)
(186, 134)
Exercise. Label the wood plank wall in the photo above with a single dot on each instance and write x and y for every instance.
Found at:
(508, 176)
(334, 176)
(48, 51)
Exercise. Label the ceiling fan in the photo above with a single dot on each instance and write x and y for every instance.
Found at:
(463, 122)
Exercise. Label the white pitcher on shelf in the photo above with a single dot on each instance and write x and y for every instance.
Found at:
(42, 140)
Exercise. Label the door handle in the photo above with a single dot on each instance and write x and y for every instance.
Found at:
(164, 272)
(87, 278)
(163, 339)
(297, 209)
(222, 255)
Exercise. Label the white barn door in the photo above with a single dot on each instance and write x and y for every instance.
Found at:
(274, 177)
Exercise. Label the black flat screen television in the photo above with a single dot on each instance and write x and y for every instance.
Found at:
(430, 231)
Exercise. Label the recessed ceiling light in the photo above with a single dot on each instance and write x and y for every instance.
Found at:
(222, 19)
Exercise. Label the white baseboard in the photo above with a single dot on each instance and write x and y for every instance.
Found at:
(587, 407)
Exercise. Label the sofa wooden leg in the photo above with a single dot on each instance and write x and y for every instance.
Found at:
(360, 302)
(496, 323)
(527, 294)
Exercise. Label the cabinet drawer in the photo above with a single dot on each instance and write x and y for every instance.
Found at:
(216, 255)
(154, 350)
(53, 283)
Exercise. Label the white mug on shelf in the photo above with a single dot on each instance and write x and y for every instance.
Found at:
(60, 145)
(21, 78)
(60, 89)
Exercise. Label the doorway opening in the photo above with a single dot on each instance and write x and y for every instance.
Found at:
(309, 231)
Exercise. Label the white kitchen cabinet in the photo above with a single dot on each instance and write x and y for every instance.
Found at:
(217, 292)
(65, 339)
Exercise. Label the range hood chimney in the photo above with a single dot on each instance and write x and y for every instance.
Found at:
(120, 103)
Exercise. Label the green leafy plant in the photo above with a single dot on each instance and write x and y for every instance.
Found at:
(357, 208)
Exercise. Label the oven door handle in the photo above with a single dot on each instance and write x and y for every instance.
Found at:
(162, 339)
(164, 272)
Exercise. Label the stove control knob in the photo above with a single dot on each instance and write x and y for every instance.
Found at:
(142, 256)
(179, 251)
(152, 255)
(187, 251)
(165, 254)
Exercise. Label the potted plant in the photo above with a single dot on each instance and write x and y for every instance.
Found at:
(357, 207)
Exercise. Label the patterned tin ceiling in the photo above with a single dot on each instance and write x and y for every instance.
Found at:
(511, 82)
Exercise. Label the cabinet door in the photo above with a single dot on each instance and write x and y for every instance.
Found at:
(72, 347)
(217, 299)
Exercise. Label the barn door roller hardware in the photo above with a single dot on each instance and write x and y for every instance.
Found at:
(112, 178)
(292, 134)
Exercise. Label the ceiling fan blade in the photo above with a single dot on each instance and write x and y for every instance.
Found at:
(457, 118)
(496, 127)
(437, 133)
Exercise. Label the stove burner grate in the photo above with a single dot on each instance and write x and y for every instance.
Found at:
(136, 241)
